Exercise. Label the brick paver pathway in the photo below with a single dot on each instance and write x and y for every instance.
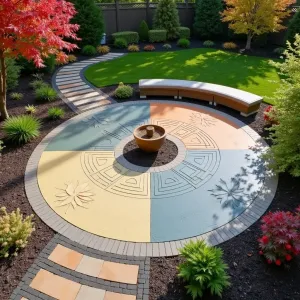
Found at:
(77, 92)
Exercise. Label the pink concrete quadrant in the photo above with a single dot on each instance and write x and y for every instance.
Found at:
(65, 257)
(119, 272)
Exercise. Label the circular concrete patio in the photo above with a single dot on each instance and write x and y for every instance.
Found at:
(79, 183)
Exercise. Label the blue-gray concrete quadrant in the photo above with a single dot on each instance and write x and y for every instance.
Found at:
(101, 130)
(180, 208)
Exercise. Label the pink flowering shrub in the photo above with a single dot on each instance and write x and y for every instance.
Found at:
(281, 236)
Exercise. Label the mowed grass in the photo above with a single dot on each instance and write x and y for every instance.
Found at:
(249, 73)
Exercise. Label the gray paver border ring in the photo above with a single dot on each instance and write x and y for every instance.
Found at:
(219, 235)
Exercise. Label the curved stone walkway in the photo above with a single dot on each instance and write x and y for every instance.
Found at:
(75, 90)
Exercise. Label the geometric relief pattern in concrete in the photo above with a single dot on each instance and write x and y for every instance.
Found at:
(218, 187)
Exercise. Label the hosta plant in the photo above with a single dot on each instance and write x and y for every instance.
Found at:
(14, 232)
(16, 96)
(30, 109)
(208, 43)
(21, 129)
(123, 91)
(203, 269)
(167, 46)
(280, 241)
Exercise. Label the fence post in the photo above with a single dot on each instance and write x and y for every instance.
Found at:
(117, 15)
(148, 12)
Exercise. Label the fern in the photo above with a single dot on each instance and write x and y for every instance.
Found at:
(203, 269)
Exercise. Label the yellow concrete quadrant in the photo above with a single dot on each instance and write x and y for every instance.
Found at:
(95, 193)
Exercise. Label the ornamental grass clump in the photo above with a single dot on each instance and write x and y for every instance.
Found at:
(30, 109)
(280, 241)
(103, 49)
(16, 96)
(45, 93)
(123, 91)
(14, 232)
(21, 129)
(203, 269)
(55, 113)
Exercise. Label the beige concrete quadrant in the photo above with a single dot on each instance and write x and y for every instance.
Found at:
(76, 198)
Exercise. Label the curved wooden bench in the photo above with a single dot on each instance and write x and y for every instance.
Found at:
(239, 100)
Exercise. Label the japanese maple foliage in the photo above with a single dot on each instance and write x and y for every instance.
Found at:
(281, 236)
(34, 29)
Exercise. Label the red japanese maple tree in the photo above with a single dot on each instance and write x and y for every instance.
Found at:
(34, 29)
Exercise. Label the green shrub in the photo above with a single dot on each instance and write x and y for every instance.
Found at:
(15, 231)
(50, 63)
(21, 129)
(208, 43)
(45, 93)
(156, 36)
(55, 113)
(131, 37)
(284, 154)
(207, 23)
(90, 18)
(133, 48)
(89, 50)
(166, 17)
(120, 43)
(30, 109)
(183, 43)
(123, 91)
(184, 32)
(16, 96)
(144, 31)
(167, 46)
(13, 73)
(294, 27)
(279, 50)
(203, 269)
(1, 146)
(37, 83)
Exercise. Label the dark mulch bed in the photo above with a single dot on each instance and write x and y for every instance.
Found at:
(12, 193)
(136, 156)
(251, 277)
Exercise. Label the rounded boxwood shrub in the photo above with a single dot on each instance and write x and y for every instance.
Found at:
(21, 129)
(55, 113)
(203, 269)
(123, 91)
(184, 32)
(131, 37)
(45, 93)
(89, 50)
(157, 35)
(183, 43)
(144, 31)
(294, 27)
(120, 43)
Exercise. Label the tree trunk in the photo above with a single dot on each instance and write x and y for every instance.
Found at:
(249, 39)
(3, 111)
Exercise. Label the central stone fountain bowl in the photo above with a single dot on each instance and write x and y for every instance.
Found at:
(150, 138)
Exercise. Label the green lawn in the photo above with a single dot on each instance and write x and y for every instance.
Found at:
(249, 73)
